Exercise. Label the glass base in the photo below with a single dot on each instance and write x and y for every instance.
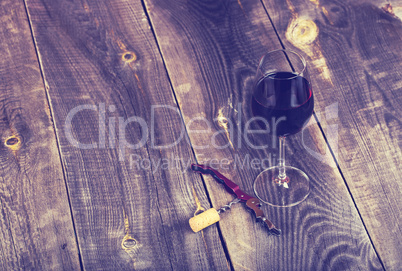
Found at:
(286, 192)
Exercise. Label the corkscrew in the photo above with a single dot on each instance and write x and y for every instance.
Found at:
(211, 216)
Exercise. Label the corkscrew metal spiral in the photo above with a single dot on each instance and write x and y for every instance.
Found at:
(228, 206)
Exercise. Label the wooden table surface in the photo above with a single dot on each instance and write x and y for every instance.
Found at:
(105, 104)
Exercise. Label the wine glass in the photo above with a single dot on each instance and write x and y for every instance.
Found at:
(283, 103)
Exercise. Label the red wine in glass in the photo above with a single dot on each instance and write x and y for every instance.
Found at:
(285, 100)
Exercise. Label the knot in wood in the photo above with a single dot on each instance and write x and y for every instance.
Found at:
(129, 57)
(13, 142)
(129, 243)
(302, 32)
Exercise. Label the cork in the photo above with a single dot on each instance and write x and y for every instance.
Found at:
(204, 220)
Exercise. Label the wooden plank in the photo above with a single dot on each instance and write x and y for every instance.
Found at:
(36, 229)
(131, 198)
(211, 51)
(355, 48)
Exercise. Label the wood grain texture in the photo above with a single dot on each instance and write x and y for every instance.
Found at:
(355, 50)
(131, 198)
(211, 50)
(36, 229)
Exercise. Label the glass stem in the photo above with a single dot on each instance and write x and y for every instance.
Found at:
(281, 160)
